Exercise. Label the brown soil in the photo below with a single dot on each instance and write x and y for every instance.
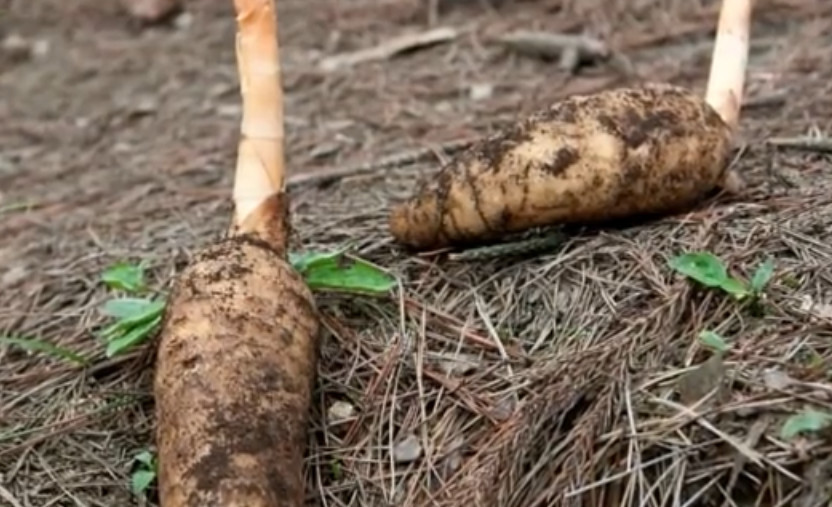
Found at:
(117, 141)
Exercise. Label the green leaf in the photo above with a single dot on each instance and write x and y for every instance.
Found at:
(337, 472)
(762, 275)
(808, 420)
(302, 261)
(146, 458)
(13, 207)
(713, 340)
(131, 314)
(124, 276)
(703, 267)
(34, 345)
(128, 308)
(141, 480)
(735, 287)
(336, 272)
(133, 337)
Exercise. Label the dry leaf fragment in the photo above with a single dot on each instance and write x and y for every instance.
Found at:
(700, 381)
(504, 407)
(817, 310)
(459, 364)
(453, 458)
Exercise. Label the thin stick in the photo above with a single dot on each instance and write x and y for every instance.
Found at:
(260, 170)
(730, 60)
(820, 145)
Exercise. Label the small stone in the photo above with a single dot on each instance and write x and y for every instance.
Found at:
(444, 107)
(229, 110)
(408, 450)
(16, 48)
(481, 91)
(144, 106)
(151, 11)
(13, 275)
(777, 379)
(340, 411)
(184, 21)
(40, 48)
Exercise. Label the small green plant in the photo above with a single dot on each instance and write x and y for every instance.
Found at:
(33, 345)
(710, 271)
(714, 341)
(144, 474)
(762, 276)
(125, 276)
(137, 319)
(336, 469)
(14, 207)
(806, 421)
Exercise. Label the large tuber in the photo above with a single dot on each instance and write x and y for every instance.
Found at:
(621, 153)
(615, 154)
(238, 347)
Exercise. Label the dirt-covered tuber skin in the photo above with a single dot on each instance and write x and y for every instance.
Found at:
(622, 153)
(234, 377)
(237, 357)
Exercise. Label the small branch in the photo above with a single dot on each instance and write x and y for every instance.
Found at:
(573, 50)
(389, 48)
(815, 144)
(551, 45)
(520, 247)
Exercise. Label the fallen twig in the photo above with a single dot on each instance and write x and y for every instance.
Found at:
(525, 246)
(389, 48)
(573, 50)
(550, 45)
(816, 144)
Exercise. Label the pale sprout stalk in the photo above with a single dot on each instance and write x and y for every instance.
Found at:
(730, 60)
(260, 171)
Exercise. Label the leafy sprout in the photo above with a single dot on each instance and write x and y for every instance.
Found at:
(806, 421)
(145, 473)
(762, 276)
(714, 341)
(137, 319)
(33, 345)
(710, 271)
(125, 276)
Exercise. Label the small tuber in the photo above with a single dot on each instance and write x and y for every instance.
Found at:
(238, 346)
(618, 154)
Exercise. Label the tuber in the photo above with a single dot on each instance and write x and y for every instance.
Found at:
(617, 154)
(236, 363)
